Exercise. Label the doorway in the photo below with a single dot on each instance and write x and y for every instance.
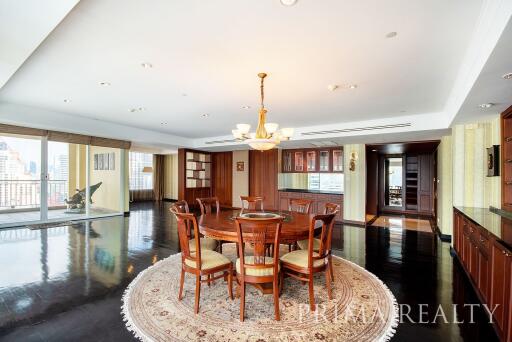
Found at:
(391, 184)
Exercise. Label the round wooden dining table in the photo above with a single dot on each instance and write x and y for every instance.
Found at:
(222, 226)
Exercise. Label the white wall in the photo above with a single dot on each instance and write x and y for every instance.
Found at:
(354, 199)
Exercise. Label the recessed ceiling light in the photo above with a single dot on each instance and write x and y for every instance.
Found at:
(403, 111)
(332, 87)
(184, 95)
(352, 86)
(163, 123)
(507, 76)
(104, 83)
(288, 2)
(391, 34)
(66, 100)
(486, 105)
(205, 115)
(138, 109)
(146, 65)
(246, 107)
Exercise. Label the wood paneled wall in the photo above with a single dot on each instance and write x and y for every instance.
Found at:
(222, 177)
(263, 170)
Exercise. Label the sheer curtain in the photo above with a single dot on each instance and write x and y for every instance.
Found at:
(141, 176)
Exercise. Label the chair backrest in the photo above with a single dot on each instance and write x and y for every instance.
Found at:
(331, 208)
(181, 207)
(325, 237)
(299, 205)
(185, 221)
(257, 232)
(207, 204)
(253, 202)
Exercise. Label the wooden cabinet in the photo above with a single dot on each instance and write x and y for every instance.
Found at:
(337, 160)
(298, 161)
(312, 160)
(319, 201)
(488, 263)
(500, 285)
(506, 160)
(425, 182)
(324, 161)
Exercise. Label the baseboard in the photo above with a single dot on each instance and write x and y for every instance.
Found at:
(443, 237)
(169, 200)
(354, 223)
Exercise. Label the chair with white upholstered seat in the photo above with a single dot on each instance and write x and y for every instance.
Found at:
(302, 264)
(206, 243)
(258, 269)
(330, 208)
(198, 262)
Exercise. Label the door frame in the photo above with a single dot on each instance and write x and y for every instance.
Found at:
(382, 181)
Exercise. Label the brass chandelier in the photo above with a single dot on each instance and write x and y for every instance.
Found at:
(267, 135)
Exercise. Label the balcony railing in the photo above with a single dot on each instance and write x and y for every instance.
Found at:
(26, 194)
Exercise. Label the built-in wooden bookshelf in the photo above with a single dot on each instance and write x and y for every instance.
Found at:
(198, 170)
(506, 157)
(194, 175)
(411, 183)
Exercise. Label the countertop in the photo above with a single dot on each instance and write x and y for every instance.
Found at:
(496, 224)
(325, 192)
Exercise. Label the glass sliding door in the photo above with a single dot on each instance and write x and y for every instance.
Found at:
(66, 180)
(20, 179)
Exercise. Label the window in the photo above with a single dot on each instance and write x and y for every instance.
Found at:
(141, 171)
(325, 181)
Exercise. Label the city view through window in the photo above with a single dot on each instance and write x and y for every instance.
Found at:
(20, 173)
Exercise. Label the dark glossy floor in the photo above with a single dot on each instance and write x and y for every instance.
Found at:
(66, 283)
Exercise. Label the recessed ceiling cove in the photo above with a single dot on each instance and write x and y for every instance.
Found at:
(110, 56)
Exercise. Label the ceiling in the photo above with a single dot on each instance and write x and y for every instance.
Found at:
(205, 57)
(400, 148)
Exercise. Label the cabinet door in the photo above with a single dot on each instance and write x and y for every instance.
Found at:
(337, 160)
(500, 284)
(311, 161)
(425, 182)
(324, 165)
(483, 274)
(456, 232)
(473, 260)
(298, 161)
(283, 202)
(287, 161)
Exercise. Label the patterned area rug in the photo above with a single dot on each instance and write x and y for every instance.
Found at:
(362, 308)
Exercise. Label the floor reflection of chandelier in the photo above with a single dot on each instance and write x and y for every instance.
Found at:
(267, 135)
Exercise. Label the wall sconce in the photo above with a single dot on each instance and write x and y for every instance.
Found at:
(353, 158)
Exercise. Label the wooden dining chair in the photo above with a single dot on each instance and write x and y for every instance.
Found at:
(207, 204)
(299, 205)
(252, 202)
(303, 264)
(200, 262)
(258, 268)
(206, 243)
(329, 208)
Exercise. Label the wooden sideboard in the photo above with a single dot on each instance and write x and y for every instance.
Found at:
(482, 243)
(319, 200)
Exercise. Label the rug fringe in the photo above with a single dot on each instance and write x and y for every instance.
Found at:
(130, 325)
(393, 324)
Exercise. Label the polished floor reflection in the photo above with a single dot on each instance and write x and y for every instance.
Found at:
(66, 283)
(402, 222)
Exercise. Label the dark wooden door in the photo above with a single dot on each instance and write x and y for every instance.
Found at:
(500, 285)
(263, 170)
(222, 177)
